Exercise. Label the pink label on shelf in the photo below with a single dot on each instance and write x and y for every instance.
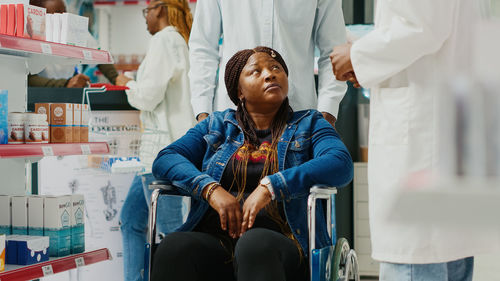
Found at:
(46, 48)
(87, 54)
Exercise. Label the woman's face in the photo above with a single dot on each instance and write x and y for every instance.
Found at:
(263, 83)
(152, 15)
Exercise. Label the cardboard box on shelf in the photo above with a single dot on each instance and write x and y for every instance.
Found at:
(61, 122)
(4, 8)
(4, 115)
(74, 29)
(77, 121)
(2, 252)
(49, 29)
(19, 214)
(11, 19)
(30, 21)
(57, 224)
(56, 27)
(35, 215)
(77, 224)
(84, 131)
(5, 217)
(26, 250)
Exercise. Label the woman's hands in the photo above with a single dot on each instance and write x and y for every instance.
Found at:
(259, 198)
(228, 209)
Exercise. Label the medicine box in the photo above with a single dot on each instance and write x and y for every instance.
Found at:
(48, 27)
(30, 21)
(35, 215)
(4, 115)
(56, 27)
(2, 252)
(5, 219)
(11, 19)
(77, 224)
(77, 120)
(74, 30)
(61, 122)
(84, 131)
(4, 8)
(19, 214)
(57, 224)
(26, 250)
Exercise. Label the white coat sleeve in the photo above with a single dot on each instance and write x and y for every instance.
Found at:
(329, 32)
(417, 28)
(204, 55)
(149, 90)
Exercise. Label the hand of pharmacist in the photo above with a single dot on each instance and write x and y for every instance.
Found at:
(341, 62)
(122, 80)
(257, 200)
(201, 117)
(78, 81)
(229, 210)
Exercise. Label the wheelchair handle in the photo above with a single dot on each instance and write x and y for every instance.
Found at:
(162, 185)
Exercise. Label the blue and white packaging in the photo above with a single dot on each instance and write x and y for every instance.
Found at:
(5, 218)
(4, 113)
(19, 214)
(26, 250)
(35, 215)
(57, 224)
(77, 224)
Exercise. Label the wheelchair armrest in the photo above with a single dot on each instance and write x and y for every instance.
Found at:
(321, 191)
(164, 187)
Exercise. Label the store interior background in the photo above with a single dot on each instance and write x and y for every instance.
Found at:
(121, 30)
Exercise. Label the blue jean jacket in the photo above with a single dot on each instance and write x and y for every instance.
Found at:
(310, 152)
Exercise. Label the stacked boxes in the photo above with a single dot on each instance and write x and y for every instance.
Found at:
(4, 112)
(84, 130)
(5, 217)
(30, 21)
(74, 29)
(19, 214)
(61, 122)
(35, 215)
(77, 224)
(57, 224)
(77, 120)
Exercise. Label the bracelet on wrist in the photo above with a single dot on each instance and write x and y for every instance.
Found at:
(211, 189)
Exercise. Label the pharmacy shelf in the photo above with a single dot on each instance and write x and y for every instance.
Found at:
(52, 149)
(459, 203)
(28, 48)
(53, 266)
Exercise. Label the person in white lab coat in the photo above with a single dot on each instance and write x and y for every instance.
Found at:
(292, 27)
(415, 46)
(161, 93)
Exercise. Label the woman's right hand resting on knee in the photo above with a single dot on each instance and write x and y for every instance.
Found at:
(227, 207)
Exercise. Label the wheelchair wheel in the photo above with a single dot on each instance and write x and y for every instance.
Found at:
(339, 259)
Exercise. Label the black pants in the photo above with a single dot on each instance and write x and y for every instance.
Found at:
(260, 255)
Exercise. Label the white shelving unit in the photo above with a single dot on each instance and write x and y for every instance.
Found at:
(18, 57)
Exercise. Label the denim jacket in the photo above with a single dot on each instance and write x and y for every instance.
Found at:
(310, 152)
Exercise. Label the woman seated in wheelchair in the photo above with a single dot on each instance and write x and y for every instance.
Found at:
(248, 173)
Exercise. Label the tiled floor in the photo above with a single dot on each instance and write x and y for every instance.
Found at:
(486, 268)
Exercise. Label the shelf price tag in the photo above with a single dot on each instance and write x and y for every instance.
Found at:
(47, 150)
(46, 48)
(87, 54)
(47, 270)
(85, 149)
(79, 262)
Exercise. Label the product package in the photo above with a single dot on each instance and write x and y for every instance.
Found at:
(77, 121)
(56, 27)
(11, 19)
(84, 131)
(77, 224)
(30, 21)
(5, 218)
(4, 115)
(2, 252)
(49, 29)
(35, 215)
(57, 224)
(16, 128)
(26, 250)
(4, 8)
(74, 29)
(19, 214)
(44, 108)
(61, 122)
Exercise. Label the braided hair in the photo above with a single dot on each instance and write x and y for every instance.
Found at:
(232, 75)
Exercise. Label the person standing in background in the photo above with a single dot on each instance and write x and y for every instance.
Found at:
(414, 48)
(292, 27)
(161, 93)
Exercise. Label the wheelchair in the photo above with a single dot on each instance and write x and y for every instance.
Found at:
(332, 263)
